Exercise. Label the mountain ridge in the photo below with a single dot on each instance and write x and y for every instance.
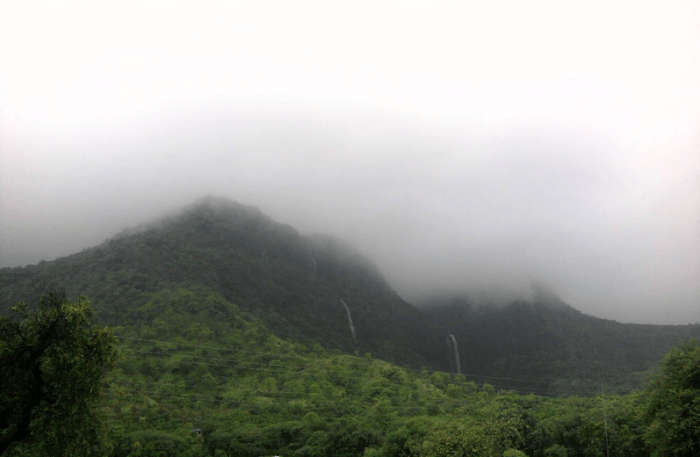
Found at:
(295, 283)
(312, 288)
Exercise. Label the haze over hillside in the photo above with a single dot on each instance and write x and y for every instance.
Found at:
(473, 144)
(433, 228)
(319, 290)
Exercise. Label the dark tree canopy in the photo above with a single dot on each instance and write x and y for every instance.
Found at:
(674, 404)
(52, 361)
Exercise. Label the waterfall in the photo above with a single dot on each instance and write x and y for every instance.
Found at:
(350, 324)
(313, 265)
(452, 342)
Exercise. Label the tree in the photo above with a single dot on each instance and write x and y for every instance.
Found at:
(459, 439)
(514, 453)
(674, 404)
(52, 362)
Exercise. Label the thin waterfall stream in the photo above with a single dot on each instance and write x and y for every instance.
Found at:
(452, 342)
(350, 324)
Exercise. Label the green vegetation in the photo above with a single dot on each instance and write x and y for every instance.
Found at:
(231, 340)
(52, 362)
(293, 284)
(198, 376)
(201, 377)
(674, 406)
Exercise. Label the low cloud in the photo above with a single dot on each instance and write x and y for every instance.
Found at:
(614, 233)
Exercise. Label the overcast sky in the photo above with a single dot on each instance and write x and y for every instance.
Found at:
(462, 145)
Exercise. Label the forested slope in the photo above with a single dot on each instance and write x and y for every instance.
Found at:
(297, 285)
(196, 375)
(554, 347)
(199, 376)
(299, 288)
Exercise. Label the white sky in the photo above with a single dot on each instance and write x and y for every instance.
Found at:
(556, 136)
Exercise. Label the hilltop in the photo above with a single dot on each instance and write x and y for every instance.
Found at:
(299, 286)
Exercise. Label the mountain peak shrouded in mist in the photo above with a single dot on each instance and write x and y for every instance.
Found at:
(302, 287)
(208, 207)
(479, 212)
(212, 211)
(221, 207)
(318, 289)
(495, 296)
(351, 228)
(545, 295)
(498, 166)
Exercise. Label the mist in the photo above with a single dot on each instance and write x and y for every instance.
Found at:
(525, 159)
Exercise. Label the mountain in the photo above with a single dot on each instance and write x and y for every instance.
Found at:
(318, 290)
(546, 345)
(305, 288)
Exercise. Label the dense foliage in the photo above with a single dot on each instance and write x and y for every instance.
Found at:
(201, 377)
(234, 339)
(52, 361)
(674, 406)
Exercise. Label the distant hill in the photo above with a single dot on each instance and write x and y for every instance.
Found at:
(310, 288)
(545, 344)
(299, 286)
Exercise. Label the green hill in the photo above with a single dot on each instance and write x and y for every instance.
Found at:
(296, 285)
(199, 376)
(309, 289)
(235, 340)
(551, 347)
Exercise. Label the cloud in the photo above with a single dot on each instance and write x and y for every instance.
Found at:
(460, 145)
